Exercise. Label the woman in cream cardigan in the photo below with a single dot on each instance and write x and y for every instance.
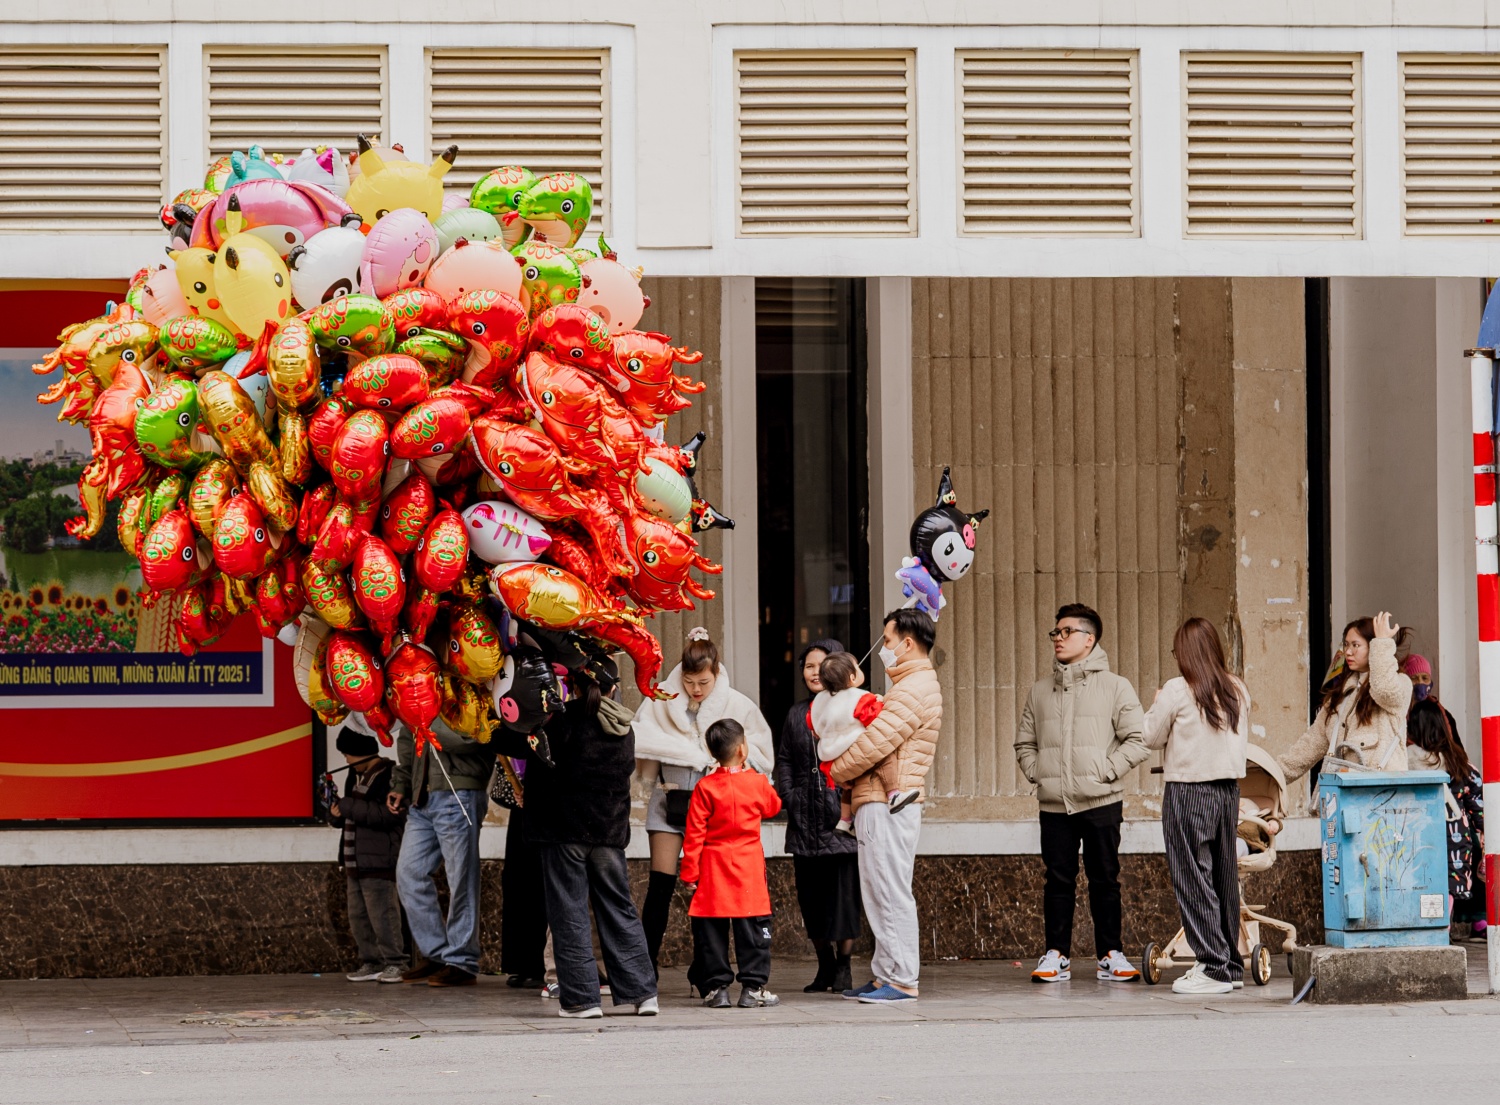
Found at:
(672, 756)
(1363, 714)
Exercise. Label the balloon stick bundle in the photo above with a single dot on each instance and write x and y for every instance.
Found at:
(414, 434)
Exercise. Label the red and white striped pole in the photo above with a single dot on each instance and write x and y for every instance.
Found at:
(1487, 562)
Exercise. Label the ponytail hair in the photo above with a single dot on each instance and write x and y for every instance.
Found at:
(700, 653)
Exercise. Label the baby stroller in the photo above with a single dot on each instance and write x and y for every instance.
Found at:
(1262, 815)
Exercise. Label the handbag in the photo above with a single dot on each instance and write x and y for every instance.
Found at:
(677, 804)
(505, 785)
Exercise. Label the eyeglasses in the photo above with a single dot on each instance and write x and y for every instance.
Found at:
(1062, 633)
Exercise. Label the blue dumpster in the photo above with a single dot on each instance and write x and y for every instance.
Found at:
(1385, 858)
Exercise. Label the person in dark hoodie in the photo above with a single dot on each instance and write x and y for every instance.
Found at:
(370, 843)
(446, 792)
(578, 815)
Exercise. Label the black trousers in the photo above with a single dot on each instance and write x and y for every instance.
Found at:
(1198, 823)
(523, 905)
(752, 950)
(1098, 832)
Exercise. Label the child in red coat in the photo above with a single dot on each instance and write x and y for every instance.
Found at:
(722, 860)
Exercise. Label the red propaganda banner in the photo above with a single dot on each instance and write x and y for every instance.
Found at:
(101, 718)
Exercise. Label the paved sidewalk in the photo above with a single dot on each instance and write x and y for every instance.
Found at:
(98, 1012)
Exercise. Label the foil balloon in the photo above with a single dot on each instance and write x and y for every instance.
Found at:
(465, 223)
(406, 513)
(323, 427)
(663, 556)
(309, 665)
(360, 453)
(328, 593)
(442, 354)
(413, 692)
(557, 207)
(323, 166)
(170, 557)
(432, 428)
(385, 185)
(466, 709)
(413, 310)
(251, 279)
(195, 279)
(497, 328)
(399, 250)
(212, 486)
(664, 492)
(442, 551)
(354, 672)
(387, 382)
(943, 537)
(243, 544)
(162, 299)
(313, 511)
(283, 214)
(612, 291)
(327, 265)
(646, 362)
(473, 651)
(379, 585)
(549, 276)
(342, 533)
(353, 324)
(499, 193)
(526, 693)
(168, 426)
(190, 342)
(500, 533)
(574, 335)
(471, 265)
(293, 366)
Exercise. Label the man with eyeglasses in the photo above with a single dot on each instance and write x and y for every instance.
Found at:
(1080, 734)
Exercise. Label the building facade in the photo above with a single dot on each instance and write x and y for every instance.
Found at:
(1179, 295)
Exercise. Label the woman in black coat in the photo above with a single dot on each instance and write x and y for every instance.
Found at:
(824, 861)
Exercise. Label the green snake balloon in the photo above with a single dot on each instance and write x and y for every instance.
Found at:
(196, 341)
(557, 207)
(499, 192)
(549, 276)
(166, 423)
(360, 323)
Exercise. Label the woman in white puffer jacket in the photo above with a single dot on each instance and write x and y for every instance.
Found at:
(672, 756)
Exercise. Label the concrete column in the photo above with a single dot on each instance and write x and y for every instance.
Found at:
(741, 590)
(888, 311)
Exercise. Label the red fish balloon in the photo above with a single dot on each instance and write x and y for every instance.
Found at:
(354, 673)
(431, 428)
(243, 543)
(360, 454)
(496, 327)
(389, 382)
(413, 692)
(442, 551)
(170, 557)
(406, 512)
(379, 585)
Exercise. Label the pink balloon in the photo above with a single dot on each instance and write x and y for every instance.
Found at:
(282, 212)
(613, 293)
(470, 266)
(162, 299)
(398, 253)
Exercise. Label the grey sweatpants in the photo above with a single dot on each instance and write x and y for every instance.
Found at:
(1198, 822)
(887, 854)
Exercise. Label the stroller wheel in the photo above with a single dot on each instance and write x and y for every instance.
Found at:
(1150, 964)
(1260, 964)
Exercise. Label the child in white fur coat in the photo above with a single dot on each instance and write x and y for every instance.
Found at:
(838, 717)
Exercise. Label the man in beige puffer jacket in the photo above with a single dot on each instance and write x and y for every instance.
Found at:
(906, 732)
(1080, 734)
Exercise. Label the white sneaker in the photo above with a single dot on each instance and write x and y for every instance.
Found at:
(1114, 967)
(1238, 984)
(647, 1008)
(1196, 982)
(369, 972)
(390, 974)
(1052, 967)
(587, 1013)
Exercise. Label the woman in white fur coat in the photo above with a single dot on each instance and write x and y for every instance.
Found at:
(671, 755)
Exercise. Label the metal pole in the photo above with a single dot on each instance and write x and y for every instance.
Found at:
(1487, 560)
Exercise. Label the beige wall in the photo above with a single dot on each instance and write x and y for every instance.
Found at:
(1141, 445)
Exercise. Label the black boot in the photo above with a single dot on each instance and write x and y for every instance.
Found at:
(656, 911)
(823, 981)
(841, 979)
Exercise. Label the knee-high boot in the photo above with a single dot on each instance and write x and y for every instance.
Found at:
(823, 980)
(657, 910)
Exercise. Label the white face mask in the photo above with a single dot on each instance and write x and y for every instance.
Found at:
(887, 657)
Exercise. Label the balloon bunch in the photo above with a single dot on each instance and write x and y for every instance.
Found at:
(942, 549)
(387, 421)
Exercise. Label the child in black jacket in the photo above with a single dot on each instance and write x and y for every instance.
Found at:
(371, 842)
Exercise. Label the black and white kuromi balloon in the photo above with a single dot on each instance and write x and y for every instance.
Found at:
(942, 541)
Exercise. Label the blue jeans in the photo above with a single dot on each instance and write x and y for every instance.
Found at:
(576, 874)
(437, 832)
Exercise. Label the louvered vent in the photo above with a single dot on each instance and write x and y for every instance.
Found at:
(1273, 146)
(290, 98)
(1049, 143)
(1450, 151)
(82, 138)
(826, 143)
(545, 109)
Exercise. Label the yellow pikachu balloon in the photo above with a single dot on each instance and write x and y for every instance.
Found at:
(251, 278)
(195, 276)
(384, 186)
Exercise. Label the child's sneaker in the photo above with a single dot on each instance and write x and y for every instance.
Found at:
(1052, 967)
(1114, 967)
(750, 999)
(390, 974)
(844, 826)
(898, 800)
(368, 972)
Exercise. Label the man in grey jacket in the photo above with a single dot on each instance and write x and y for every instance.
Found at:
(1080, 734)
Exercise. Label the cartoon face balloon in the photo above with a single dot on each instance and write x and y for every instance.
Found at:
(473, 265)
(253, 283)
(943, 537)
(400, 249)
(557, 207)
(526, 692)
(195, 278)
(324, 167)
(500, 533)
(326, 265)
(499, 192)
(284, 215)
(468, 223)
(613, 292)
(384, 186)
(162, 298)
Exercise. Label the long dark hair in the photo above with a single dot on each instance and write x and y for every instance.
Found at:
(1430, 727)
(1200, 658)
(1334, 690)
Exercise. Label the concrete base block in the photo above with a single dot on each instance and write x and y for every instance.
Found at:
(1357, 976)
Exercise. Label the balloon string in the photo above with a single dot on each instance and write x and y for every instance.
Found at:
(461, 807)
(908, 604)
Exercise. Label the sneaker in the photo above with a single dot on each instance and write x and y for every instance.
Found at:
(750, 998)
(550, 990)
(844, 826)
(1196, 982)
(1114, 967)
(718, 999)
(868, 988)
(422, 973)
(587, 1013)
(887, 995)
(647, 1008)
(1237, 984)
(453, 976)
(390, 974)
(1052, 967)
(369, 972)
(900, 799)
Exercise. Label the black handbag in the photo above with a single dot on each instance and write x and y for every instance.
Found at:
(677, 808)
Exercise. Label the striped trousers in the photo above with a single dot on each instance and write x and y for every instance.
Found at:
(1198, 822)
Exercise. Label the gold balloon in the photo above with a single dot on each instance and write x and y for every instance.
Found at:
(473, 649)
